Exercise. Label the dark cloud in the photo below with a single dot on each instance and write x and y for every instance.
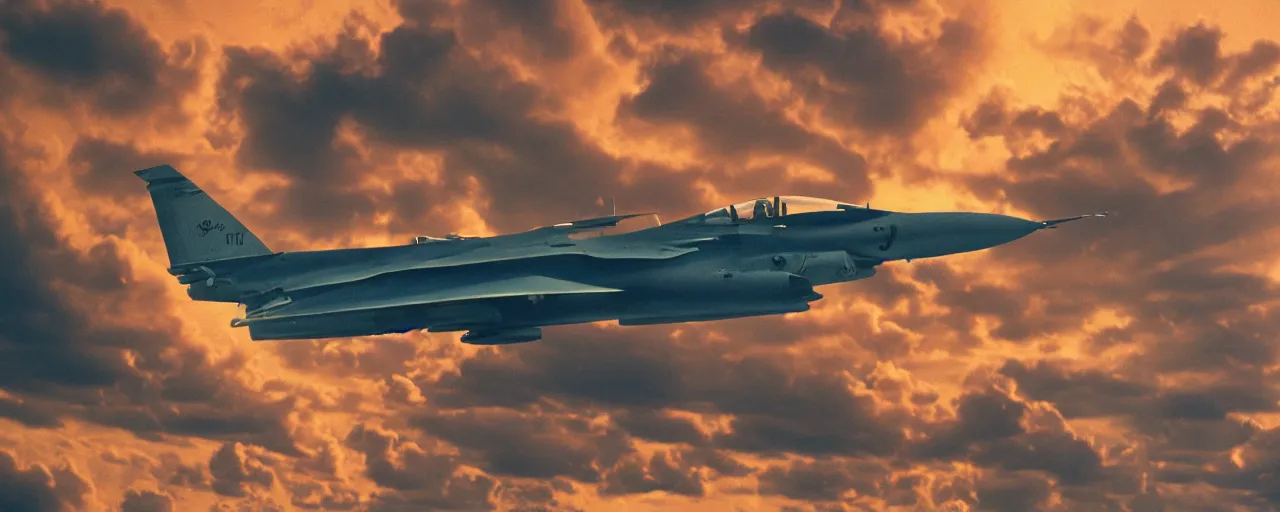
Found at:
(415, 479)
(40, 332)
(1260, 61)
(826, 480)
(1196, 153)
(105, 167)
(665, 471)
(171, 470)
(534, 496)
(777, 405)
(733, 124)
(522, 445)
(484, 123)
(717, 461)
(65, 362)
(543, 25)
(1012, 493)
(318, 495)
(684, 15)
(1019, 444)
(657, 425)
(145, 501)
(1170, 97)
(1140, 241)
(479, 118)
(1072, 460)
(1113, 50)
(969, 301)
(1105, 163)
(36, 488)
(237, 471)
(993, 117)
(990, 118)
(62, 356)
(987, 416)
(1184, 312)
(98, 53)
(292, 127)
(30, 414)
(861, 78)
(585, 366)
(1133, 39)
(1193, 53)
(1178, 422)
(1081, 394)
(228, 417)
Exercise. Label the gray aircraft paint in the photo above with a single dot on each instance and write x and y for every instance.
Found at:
(759, 257)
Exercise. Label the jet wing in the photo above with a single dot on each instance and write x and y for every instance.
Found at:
(369, 296)
(544, 250)
(481, 254)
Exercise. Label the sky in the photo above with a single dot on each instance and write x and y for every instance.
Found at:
(1126, 363)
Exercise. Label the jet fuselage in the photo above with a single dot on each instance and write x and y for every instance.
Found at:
(760, 257)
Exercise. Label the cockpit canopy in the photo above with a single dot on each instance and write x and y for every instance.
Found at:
(777, 206)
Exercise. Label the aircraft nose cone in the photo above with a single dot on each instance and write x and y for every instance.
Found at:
(938, 234)
(999, 228)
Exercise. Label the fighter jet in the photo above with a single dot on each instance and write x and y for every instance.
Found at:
(759, 257)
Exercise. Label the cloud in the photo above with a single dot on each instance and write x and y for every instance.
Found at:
(548, 29)
(733, 124)
(38, 488)
(680, 15)
(481, 120)
(775, 405)
(862, 78)
(146, 501)
(414, 478)
(1122, 364)
(103, 165)
(89, 51)
(237, 469)
(1185, 310)
(1195, 54)
(73, 349)
(42, 332)
(512, 444)
(1014, 492)
(664, 471)
(825, 480)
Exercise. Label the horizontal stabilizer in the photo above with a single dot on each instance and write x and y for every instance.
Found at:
(371, 297)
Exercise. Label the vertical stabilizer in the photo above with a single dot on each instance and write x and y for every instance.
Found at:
(195, 228)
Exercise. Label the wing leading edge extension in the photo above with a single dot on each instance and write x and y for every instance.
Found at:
(367, 298)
